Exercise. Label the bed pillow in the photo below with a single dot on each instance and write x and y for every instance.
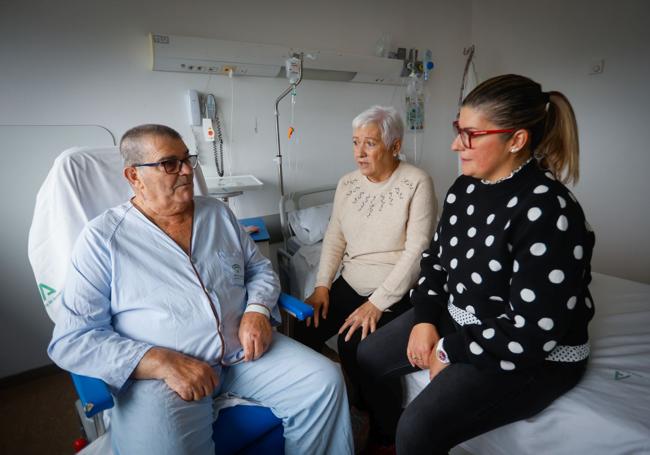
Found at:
(310, 224)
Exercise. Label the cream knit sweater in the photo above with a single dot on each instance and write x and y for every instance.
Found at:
(377, 233)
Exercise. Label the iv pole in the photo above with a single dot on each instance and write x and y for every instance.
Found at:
(292, 87)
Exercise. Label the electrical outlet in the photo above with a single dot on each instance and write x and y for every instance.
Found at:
(597, 67)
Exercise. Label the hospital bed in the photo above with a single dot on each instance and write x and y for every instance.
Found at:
(82, 183)
(607, 413)
(304, 216)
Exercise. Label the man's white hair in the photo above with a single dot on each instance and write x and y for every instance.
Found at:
(386, 118)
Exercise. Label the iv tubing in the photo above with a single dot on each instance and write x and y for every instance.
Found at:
(277, 125)
(229, 150)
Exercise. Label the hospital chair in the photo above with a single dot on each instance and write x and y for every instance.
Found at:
(82, 183)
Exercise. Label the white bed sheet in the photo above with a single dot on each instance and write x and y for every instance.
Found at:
(607, 413)
(303, 268)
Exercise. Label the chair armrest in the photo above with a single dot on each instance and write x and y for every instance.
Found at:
(296, 308)
(93, 394)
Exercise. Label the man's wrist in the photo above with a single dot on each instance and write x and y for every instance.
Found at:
(153, 363)
(258, 308)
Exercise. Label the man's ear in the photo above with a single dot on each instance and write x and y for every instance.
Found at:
(132, 176)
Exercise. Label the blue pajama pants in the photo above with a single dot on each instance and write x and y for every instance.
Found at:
(301, 387)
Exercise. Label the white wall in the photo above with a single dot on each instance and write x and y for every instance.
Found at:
(80, 62)
(83, 62)
(554, 42)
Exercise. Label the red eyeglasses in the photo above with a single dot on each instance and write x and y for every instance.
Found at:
(467, 135)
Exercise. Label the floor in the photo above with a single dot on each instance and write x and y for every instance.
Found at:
(38, 416)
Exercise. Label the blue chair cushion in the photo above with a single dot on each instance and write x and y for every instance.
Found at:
(272, 443)
(247, 429)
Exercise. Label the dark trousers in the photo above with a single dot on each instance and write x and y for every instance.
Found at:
(462, 401)
(343, 301)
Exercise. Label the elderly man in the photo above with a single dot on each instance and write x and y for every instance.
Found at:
(169, 302)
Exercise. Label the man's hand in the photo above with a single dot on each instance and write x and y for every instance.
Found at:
(423, 339)
(320, 300)
(435, 365)
(366, 317)
(190, 378)
(255, 335)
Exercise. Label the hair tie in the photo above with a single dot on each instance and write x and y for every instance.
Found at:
(546, 98)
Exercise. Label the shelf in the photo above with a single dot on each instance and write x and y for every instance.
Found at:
(232, 184)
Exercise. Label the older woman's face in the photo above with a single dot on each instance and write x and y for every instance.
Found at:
(161, 192)
(489, 158)
(375, 160)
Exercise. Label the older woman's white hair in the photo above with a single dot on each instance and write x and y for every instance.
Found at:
(386, 118)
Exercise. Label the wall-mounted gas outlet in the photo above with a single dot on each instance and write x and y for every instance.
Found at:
(597, 67)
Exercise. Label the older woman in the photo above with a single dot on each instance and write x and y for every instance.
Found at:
(502, 303)
(383, 218)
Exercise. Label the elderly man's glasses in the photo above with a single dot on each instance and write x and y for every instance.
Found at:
(467, 135)
(173, 165)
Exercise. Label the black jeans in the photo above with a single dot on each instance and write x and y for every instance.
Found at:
(343, 301)
(462, 401)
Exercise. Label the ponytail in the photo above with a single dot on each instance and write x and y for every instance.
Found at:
(559, 149)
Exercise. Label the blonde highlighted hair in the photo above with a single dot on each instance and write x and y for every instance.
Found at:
(512, 101)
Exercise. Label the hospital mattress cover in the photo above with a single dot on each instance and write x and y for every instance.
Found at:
(303, 267)
(609, 411)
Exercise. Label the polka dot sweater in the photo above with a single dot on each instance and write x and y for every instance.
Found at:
(510, 262)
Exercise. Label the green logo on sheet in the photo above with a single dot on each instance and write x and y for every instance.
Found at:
(47, 293)
(618, 375)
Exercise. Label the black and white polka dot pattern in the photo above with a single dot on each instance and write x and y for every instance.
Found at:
(569, 353)
(462, 317)
(515, 256)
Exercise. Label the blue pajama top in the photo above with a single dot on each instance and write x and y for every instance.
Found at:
(131, 287)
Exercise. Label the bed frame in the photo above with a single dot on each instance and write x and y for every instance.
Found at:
(288, 203)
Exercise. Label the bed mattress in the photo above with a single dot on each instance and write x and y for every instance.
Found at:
(303, 267)
(609, 411)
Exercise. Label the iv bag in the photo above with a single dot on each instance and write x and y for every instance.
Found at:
(414, 104)
(292, 69)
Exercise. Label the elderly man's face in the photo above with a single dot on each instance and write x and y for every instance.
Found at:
(161, 192)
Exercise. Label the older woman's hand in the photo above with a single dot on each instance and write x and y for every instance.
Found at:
(366, 317)
(423, 339)
(320, 300)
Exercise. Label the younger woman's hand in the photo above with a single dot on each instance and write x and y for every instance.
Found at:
(422, 342)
